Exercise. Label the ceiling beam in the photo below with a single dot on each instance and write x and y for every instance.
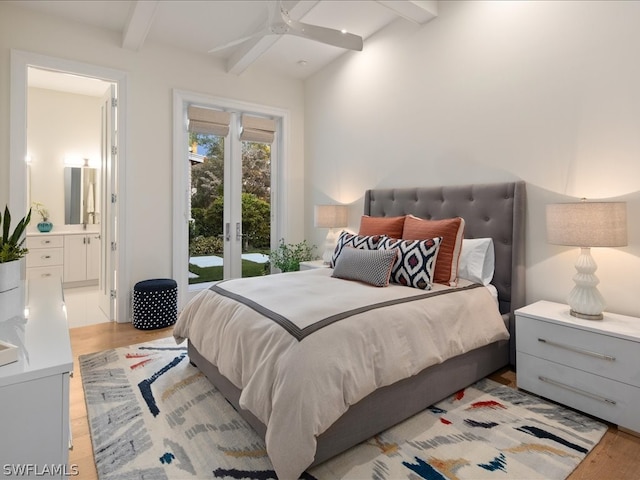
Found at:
(248, 53)
(139, 22)
(417, 11)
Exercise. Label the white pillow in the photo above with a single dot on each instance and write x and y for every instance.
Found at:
(477, 260)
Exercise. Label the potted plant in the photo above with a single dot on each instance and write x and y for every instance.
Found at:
(45, 225)
(11, 250)
(287, 257)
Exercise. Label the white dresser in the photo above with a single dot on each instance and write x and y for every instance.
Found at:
(590, 365)
(34, 391)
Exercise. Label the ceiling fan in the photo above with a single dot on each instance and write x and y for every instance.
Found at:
(280, 23)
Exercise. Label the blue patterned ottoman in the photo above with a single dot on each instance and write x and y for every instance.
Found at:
(155, 303)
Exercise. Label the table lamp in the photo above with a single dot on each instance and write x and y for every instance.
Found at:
(585, 225)
(331, 217)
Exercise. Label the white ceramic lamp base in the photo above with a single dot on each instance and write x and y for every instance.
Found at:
(585, 300)
(329, 245)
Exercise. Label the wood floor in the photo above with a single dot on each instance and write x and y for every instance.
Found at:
(616, 457)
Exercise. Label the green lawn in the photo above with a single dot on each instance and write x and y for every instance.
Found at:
(212, 274)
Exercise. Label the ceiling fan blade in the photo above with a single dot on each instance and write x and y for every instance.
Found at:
(325, 35)
(238, 41)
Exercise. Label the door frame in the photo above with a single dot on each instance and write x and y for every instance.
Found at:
(181, 191)
(20, 62)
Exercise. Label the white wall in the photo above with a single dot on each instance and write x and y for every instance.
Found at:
(547, 92)
(60, 125)
(153, 73)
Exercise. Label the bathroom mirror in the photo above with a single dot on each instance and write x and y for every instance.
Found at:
(81, 196)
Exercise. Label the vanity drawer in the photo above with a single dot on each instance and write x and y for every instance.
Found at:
(598, 353)
(45, 257)
(45, 241)
(45, 272)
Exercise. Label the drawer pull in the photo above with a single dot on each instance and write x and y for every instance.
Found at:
(46, 274)
(577, 390)
(46, 242)
(46, 256)
(601, 356)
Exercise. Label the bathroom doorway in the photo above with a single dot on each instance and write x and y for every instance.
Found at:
(104, 152)
(65, 173)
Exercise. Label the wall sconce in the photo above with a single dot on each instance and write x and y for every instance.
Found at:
(585, 225)
(331, 217)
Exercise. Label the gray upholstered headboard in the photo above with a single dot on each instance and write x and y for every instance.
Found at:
(494, 210)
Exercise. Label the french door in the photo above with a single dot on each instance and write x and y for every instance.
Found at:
(230, 205)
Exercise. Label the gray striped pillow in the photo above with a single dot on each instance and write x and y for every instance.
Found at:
(369, 266)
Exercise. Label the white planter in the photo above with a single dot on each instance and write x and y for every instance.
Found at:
(9, 275)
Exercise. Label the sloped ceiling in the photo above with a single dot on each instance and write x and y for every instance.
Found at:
(200, 26)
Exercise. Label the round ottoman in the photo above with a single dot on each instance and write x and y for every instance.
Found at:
(155, 303)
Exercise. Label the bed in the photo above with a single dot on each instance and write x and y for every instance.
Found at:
(489, 211)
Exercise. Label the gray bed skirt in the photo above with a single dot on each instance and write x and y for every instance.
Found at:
(386, 406)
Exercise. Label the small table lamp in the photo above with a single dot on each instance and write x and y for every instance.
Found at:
(587, 224)
(331, 217)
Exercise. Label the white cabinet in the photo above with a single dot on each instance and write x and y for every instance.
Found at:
(34, 391)
(45, 257)
(590, 365)
(81, 258)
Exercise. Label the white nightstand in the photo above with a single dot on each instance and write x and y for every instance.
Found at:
(590, 365)
(313, 264)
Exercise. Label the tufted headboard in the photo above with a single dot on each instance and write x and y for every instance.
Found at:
(494, 210)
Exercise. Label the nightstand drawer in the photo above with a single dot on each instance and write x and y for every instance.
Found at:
(44, 257)
(604, 398)
(311, 264)
(45, 241)
(600, 354)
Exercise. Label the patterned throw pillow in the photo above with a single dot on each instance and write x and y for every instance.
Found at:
(415, 262)
(369, 266)
(363, 242)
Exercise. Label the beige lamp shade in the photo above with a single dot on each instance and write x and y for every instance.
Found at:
(330, 216)
(587, 224)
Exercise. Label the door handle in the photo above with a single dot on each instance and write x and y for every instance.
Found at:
(238, 231)
(227, 235)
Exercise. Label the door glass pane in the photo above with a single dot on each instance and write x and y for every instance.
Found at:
(206, 243)
(256, 208)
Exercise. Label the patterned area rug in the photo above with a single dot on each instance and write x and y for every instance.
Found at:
(153, 415)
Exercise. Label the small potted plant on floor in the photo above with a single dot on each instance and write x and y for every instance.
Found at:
(287, 257)
(11, 250)
(45, 225)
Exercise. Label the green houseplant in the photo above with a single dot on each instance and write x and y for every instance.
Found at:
(287, 256)
(11, 250)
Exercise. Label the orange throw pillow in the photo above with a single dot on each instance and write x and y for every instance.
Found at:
(389, 226)
(452, 232)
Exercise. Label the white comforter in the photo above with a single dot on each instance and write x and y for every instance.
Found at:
(299, 388)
